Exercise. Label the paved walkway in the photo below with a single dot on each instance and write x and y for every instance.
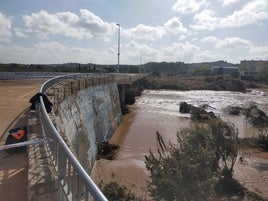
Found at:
(14, 108)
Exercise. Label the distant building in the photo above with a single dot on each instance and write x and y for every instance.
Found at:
(226, 70)
(247, 75)
(252, 65)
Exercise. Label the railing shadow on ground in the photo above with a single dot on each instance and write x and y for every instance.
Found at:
(13, 167)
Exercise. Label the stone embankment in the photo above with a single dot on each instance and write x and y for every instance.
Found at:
(86, 112)
(73, 102)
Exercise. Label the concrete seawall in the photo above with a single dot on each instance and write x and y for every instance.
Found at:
(88, 117)
(86, 111)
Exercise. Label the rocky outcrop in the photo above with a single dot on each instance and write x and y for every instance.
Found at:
(253, 114)
(197, 113)
(256, 116)
(185, 108)
(233, 110)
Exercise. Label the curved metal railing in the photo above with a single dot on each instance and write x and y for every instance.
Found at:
(74, 181)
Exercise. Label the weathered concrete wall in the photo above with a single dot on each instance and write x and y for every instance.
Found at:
(85, 111)
(87, 117)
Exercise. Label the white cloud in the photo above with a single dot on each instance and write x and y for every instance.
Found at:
(251, 12)
(68, 17)
(203, 23)
(5, 26)
(188, 6)
(233, 43)
(94, 23)
(135, 51)
(53, 52)
(67, 24)
(228, 2)
(205, 20)
(180, 51)
(182, 37)
(210, 39)
(259, 52)
(144, 32)
(49, 48)
(175, 26)
(208, 55)
(19, 33)
(176, 51)
(141, 48)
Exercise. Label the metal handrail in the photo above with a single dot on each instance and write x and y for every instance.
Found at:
(75, 183)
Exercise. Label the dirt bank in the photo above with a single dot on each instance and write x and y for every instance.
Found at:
(251, 170)
(217, 83)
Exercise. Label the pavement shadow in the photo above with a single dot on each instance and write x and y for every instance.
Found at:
(20, 120)
(14, 167)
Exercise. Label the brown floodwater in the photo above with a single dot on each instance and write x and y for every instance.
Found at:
(159, 111)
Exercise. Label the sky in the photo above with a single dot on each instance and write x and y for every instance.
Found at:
(86, 31)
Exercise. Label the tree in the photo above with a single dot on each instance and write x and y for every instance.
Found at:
(115, 192)
(262, 74)
(202, 158)
(203, 70)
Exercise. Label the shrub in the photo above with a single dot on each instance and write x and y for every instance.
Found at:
(115, 192)
(203, 156)
(263, 139)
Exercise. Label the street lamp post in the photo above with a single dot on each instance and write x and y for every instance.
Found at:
(118, 53)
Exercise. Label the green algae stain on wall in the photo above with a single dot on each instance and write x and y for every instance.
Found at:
(88, 118)
(81, 146)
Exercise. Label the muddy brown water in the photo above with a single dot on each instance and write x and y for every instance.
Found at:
(159, 111)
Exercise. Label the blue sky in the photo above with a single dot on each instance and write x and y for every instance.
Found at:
(85, 31)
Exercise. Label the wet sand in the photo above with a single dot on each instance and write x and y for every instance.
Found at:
(252, 171)
(14, 108)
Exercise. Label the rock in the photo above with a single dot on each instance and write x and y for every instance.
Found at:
(107, 150)
(199, 114)
(233, 110)
(256, 116)
(185, 107)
